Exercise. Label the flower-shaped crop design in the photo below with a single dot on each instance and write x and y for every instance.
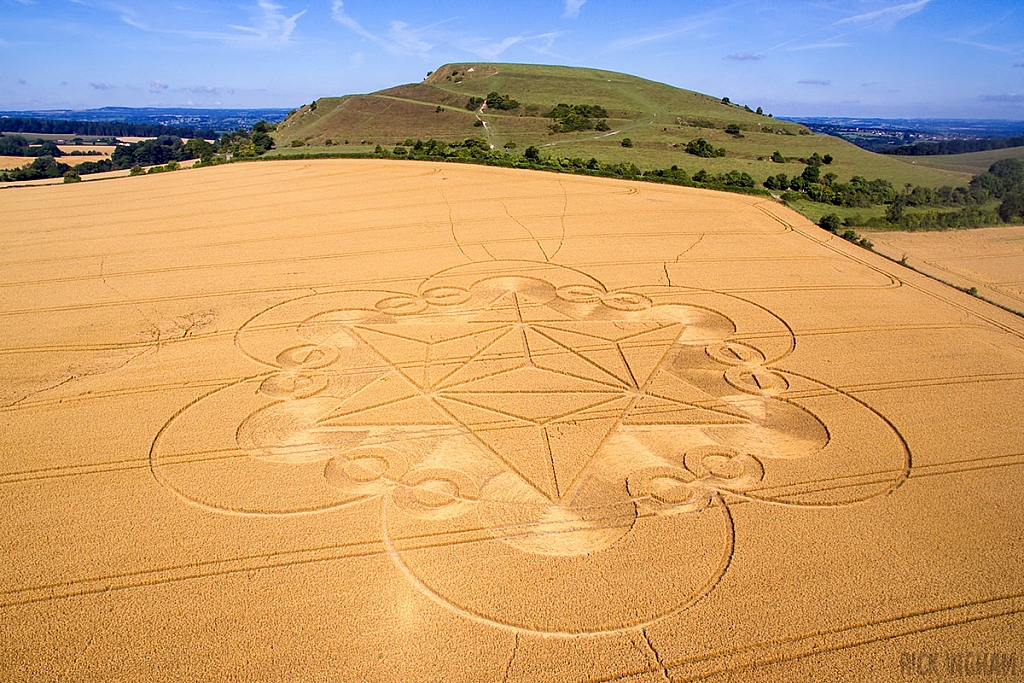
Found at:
(521, 424)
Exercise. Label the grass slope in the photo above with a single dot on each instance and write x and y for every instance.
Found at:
(660, 119)
(973, 162)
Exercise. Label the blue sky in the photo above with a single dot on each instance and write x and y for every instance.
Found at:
(886, 58)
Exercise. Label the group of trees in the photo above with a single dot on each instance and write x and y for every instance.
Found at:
(494, 100)
(702, 148)
(476, 150)
(18, 146)
(149, 153)
(1004, 180)
(573, 117)
(164, 153)
(825, 188)
(957, 207)
(242, 143)
(41, 167)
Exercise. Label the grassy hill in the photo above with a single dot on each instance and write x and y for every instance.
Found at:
(659, 119)
(972, 162)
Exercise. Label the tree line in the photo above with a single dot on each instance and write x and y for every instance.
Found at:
(18, 146)
(18, 124)
(965, 206)
(932, 148)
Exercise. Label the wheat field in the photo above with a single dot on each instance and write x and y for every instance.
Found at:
(381, 420)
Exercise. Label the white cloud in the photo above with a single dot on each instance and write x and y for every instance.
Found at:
(1013, 98)
(887, 17)
(98, 85)
(489, 50)
(1006, 49)
(270, 23)
(407, 41)
(339, 15)
(157, 86)
(745, 57)
(572, 8)
(822, 45)
(686, 26)
(401, 39)
(132, 21)
(814, 81)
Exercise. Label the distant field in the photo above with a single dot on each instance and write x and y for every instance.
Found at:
(973, 163)
(989, 259)
(92, 177)
(13, 162)
(7, 163)
(105, 150)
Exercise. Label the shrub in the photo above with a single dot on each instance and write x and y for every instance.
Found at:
(136, 170)
(702, 148)
(1012, 206)
(627, 142)
(778, 158)
(733, 129)
(478, 123)
(498, 101)
(831, 222)
(811, 174)
(298, 143)
(573, 117)
(72, 177)
(602, 125)
(532, 153)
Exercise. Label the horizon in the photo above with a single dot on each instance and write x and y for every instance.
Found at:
(916, 59)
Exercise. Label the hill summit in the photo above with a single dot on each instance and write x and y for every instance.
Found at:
(582, 113)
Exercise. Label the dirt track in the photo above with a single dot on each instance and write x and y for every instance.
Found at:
(400, 421)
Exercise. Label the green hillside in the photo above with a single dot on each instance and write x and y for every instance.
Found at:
(659, 120)
(972, 162)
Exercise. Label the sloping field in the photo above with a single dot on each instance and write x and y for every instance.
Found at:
(393, 421)
(973, 162)
(990, 259)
